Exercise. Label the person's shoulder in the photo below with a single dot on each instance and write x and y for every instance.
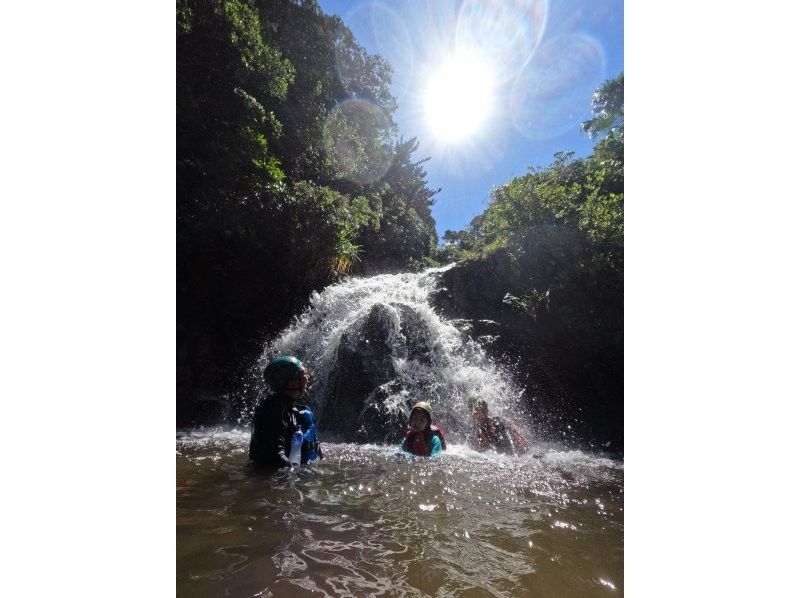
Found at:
(436, 446)
(270, 402)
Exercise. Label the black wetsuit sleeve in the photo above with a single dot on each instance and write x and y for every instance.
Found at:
(276, 438)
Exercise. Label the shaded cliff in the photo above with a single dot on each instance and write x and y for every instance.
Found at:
(560, 326)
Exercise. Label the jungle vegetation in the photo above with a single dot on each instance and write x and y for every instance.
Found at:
(277, 192)
(552, 241)
(290, 174)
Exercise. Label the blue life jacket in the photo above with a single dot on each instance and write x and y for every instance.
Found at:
(307, 423)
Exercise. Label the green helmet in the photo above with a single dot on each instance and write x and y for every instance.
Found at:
(282, 370)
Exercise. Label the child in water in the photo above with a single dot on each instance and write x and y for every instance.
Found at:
(422, 438)
(493, 432)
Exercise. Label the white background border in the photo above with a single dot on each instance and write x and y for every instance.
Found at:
(87, 243)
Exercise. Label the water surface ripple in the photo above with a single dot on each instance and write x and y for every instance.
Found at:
(367, 522)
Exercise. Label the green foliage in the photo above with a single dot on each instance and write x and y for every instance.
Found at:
(184, 16)
(584, 195)
(266, 214)
(458, 245)
(354, 141)
(403, 231)
(328, 223)
(257, 58)
(531, 302)
(426, 261)
(257, 80)
(557, 233)
(608, 107)
(330, 67)
(228, 81)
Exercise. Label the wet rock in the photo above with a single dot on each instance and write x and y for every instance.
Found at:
(384, 416)
(364, 377)
(532, 306)
(417, 336)
(363, 363)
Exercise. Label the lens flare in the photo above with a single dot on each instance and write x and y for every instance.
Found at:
(507, 30)
(554, 91)
(458, 98)
(379, 27)
(355, 136)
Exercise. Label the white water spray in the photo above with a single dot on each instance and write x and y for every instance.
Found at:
(453, 369)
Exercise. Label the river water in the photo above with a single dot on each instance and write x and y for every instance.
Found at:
(365, 521)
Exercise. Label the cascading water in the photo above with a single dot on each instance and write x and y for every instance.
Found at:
(427, 357)
(366, 521)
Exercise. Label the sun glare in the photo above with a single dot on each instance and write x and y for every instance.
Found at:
(458, 98)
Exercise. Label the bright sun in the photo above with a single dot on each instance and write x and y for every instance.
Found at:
(459, 97)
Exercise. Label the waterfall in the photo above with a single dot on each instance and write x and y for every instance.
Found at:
(377, 341)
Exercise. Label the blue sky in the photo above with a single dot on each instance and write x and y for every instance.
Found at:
(545, 58)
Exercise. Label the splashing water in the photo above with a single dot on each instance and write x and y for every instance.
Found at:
(365, 522)
(450, 368)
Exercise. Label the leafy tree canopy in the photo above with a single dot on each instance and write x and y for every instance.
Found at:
(286, 146)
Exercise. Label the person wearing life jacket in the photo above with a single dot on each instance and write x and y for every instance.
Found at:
(277, 416)
(494, 433)
(309, 426)
(423, 439)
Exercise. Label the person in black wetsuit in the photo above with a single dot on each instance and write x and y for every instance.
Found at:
(276, 416)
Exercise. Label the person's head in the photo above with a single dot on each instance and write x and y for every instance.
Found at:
(286, 374)
(479, 409)
(421, 416)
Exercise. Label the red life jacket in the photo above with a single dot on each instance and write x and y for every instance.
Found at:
(520, 443)
(490, 432)
(421, 443)
(495, 433)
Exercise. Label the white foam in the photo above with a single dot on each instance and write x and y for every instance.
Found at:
(458, 367)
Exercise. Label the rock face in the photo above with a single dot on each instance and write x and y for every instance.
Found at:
(366, 401)
(382, 419)
(543, 309)
(363, 363)
(562, 332)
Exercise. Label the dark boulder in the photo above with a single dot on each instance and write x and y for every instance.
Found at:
(383, 420)
(364, 377)
(416, 336)
(363, 363)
